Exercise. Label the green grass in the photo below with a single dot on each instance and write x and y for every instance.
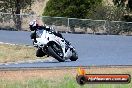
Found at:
(66, 82)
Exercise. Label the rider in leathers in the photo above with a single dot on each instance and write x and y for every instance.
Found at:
(34, 26)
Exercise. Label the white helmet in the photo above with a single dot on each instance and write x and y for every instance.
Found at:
(33, 23)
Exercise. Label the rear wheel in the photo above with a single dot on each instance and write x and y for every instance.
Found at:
(74, 56)
(39, 53)
(56, 51)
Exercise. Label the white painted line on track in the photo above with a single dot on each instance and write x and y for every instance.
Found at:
(15, 44)
(48, 59)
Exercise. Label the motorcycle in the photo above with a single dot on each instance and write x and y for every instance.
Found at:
(52, 44)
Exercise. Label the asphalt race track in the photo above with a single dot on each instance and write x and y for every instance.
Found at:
(92, 49)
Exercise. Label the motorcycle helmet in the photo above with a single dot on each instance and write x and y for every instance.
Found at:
(33, 25)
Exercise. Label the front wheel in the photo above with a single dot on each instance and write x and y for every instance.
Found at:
(74, 56)
(56, 52)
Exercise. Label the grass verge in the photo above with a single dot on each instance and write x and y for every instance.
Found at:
(66, 82)
(64, 78)
(12, 53)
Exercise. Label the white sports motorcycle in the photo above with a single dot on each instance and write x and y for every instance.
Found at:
(50, 44)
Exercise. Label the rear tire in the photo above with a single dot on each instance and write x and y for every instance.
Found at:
(39, 53)
(74, 56)
(54, 54)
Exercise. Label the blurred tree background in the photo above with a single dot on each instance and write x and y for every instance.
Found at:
(118, 10)
(15, 7)
(70, 8)
(89, 9)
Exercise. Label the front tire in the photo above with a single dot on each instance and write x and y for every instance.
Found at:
(54, 53)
